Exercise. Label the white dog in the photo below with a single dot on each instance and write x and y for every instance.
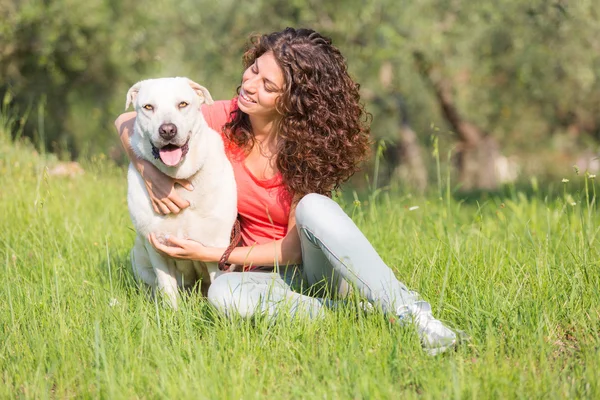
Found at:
(171, 133)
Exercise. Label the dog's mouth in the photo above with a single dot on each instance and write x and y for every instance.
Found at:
(170, 154)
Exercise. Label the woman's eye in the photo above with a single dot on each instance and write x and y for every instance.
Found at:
(148, 107)
(183, 104)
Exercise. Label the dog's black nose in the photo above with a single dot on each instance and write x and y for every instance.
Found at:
(167, 131)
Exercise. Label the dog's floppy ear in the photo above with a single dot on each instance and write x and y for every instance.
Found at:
(201, 91)
(132, 94)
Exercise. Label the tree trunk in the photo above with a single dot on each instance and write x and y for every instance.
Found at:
(410, 167)
(403, 156)
(477, 151)
(477, 164)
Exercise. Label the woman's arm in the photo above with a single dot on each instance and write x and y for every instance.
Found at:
(161, 188)
(124, 124)
(286, 251)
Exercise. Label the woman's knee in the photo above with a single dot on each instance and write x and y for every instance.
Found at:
(221, 293)
(239, 293)
(315, 208)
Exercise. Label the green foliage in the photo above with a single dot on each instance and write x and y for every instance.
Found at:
(523, 71)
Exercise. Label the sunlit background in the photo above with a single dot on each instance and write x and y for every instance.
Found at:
(497, 92)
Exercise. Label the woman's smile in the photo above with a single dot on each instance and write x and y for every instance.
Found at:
(245, 98)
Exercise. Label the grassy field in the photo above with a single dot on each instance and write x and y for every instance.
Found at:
(518, 274)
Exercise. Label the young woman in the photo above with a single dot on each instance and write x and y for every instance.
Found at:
(294, 133)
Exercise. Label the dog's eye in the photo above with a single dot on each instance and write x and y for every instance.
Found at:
(183, 104)
(148, 107)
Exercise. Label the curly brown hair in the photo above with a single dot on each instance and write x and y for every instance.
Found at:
(323, 132)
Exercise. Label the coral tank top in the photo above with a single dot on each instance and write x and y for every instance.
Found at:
(263, 205)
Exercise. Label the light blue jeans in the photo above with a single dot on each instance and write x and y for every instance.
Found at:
(335, 256)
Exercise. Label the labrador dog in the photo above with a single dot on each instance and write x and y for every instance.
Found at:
(171, 133)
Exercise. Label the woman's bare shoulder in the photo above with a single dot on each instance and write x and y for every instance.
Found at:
(217, 114)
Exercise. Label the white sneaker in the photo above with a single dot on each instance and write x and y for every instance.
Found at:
(435, 337)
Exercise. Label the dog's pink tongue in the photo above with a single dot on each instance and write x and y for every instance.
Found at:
(171, 156)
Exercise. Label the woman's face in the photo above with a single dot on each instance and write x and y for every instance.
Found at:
(262, 84)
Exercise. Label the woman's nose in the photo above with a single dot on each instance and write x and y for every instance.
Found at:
(250, 84)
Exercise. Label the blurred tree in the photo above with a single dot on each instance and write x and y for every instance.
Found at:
(502, 73)
(521, 73)
(66, 54)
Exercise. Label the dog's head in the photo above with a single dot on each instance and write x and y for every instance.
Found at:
(168, 113)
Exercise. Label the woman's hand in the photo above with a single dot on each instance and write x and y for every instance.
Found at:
(161, 189)
(185, 249)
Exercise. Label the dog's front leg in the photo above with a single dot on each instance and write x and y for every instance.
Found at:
(166, 278)
(208, 273)
(141, 264)
(213, 271)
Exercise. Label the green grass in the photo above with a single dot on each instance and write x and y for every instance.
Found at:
(518, 274)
